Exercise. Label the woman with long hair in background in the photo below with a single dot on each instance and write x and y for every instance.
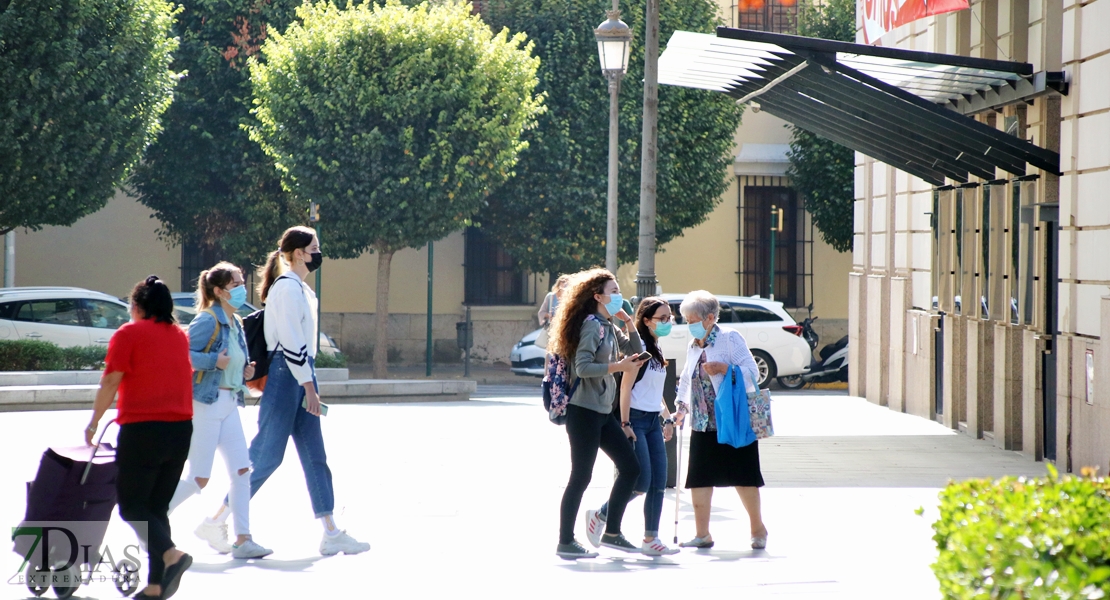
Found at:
(584, 337)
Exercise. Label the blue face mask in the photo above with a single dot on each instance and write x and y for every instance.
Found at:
(698, 330)
(663, 329)
(616, 302)
(238, 296)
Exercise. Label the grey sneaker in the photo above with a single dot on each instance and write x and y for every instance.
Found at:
(573, 551)
(250, 549)
(617, 541)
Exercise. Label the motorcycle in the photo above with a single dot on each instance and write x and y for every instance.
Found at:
(833, 365)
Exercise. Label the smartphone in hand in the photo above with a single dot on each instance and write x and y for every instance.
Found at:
(643, 356)
(323, 407)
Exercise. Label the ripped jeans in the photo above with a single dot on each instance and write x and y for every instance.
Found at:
(652, 456)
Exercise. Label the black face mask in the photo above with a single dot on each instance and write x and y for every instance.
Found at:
(317, 259)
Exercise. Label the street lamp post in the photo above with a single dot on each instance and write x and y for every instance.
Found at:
(646, 283)
(613, 41)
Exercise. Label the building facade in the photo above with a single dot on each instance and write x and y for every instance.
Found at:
(983, 304)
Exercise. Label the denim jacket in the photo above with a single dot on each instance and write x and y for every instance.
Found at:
(204, 363)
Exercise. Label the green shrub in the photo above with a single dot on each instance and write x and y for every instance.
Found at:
(327, 361)
(29, 355)
(78, 358)
(1024, 538)
(35, 355)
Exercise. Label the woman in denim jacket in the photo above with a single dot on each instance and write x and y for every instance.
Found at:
(218, 351)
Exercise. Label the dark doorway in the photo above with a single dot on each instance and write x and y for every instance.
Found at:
(791, 245)
(1049, 217)
(938, 358)
(492, 276)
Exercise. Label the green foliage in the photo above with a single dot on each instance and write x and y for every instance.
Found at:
(205, 180)
(36, 355)
(823, 171)
(331, 361)
(399, 121)
(820, 169)
(84, 82)
(1024, 538)
(551, 217)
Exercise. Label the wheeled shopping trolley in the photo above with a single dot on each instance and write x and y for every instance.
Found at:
(74, 488)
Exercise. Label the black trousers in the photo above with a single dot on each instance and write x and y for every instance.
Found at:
(590, 431)
(150, 456)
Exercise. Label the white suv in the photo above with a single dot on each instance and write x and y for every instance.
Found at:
(773, 336)
(66, 316)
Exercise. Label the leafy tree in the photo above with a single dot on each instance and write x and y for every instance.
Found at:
(820, 169)
(399, 121)
(205, 180)
(84, 82)
(551, 216)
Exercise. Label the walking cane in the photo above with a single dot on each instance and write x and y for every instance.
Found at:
(678, 483)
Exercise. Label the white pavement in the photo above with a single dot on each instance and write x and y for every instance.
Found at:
(462, 498)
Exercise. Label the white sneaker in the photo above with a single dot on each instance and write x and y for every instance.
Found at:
(657, 548)
(594, 527)
(250, 549)
(215, 533)
(334, 544)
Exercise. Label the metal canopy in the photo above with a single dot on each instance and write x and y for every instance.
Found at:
(899, 106)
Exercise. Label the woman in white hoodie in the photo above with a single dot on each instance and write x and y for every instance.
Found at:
(290, 404)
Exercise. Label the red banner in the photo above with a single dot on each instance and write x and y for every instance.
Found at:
(883, 16)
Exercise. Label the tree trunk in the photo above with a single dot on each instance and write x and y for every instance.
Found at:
(381, 313)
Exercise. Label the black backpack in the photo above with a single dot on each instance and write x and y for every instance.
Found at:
(254, 325)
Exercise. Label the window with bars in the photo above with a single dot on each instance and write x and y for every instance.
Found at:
(774, 16)
(194, 259)
(492, 276)
(793, 245)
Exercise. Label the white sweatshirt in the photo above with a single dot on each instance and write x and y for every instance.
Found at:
(291, 323)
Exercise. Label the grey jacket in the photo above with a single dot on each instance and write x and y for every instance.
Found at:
(596, 349)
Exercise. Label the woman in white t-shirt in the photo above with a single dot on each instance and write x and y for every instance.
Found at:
(642, 408)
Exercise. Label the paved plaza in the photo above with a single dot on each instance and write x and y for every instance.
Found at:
(462, 499)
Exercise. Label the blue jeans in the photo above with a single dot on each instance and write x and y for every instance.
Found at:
(652, 456)
(281, 416)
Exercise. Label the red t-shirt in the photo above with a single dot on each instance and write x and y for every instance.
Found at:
(157, 375)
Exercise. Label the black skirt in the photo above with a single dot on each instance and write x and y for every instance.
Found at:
(719, 465)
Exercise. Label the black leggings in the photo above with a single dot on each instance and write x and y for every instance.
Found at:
(150, 456)
(589, 431)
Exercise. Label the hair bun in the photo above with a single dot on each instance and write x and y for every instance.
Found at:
(152, 280)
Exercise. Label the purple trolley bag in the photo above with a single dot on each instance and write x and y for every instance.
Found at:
(75, 485)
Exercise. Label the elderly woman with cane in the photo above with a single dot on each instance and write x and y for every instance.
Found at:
(713, 464)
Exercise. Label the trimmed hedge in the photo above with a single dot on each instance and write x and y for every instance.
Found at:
(35, 355)
(1025, 538)
(327, 361)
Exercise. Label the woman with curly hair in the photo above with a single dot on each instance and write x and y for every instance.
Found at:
(584, 337)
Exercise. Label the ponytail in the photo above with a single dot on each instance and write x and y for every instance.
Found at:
(269, 273)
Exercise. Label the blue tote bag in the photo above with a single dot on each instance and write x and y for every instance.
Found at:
(734, 425)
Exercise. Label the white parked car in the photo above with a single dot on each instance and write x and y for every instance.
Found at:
(773, 336)
(526, 358)
(66, 316)
(185, 310)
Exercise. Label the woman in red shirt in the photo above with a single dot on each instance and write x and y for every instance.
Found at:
(148, 363)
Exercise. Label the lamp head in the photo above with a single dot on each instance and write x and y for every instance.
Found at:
(614, 39)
